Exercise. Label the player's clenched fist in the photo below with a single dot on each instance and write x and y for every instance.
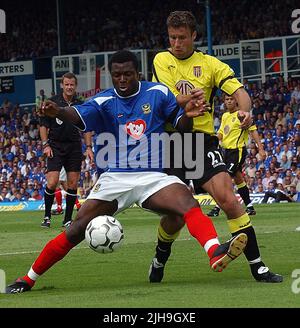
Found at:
(48, 108)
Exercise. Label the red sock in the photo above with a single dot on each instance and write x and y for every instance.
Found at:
(29, 281)
(58, 197)
(54, 251)
(77, 204)
(201, 227)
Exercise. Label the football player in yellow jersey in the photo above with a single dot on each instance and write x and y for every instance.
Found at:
(233, 141)
(184, 70)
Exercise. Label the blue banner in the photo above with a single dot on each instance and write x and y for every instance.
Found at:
(37, 205)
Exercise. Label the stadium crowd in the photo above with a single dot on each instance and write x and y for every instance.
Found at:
(276, 105)
(95, 26)
(22, 162)
(276, 112)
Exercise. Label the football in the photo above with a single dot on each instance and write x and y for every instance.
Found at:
(104, 234)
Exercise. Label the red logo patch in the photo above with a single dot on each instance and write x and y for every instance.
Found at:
(136, 129)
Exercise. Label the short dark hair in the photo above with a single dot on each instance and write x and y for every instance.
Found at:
(69, 75)
(182, 18)
(123, 56)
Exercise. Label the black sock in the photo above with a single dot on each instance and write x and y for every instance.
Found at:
(48, 198)
(163, 251)
(70, 203)
(251, 250)
(244, 193)
(255, 266)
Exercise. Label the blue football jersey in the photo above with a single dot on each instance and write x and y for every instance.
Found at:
(130, 130)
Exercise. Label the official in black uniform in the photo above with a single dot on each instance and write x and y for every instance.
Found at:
(63, 148)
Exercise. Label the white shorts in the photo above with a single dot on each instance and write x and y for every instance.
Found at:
(130, 187)
(62, 174)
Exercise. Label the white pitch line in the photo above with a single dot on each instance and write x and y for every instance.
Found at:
(83, 247)
(31, 252)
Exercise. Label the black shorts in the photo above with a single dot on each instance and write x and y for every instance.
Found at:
(235, 159)
(67, 155)
(213, 162)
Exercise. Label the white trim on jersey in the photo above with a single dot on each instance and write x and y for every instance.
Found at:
(101, 100)
(139, 89)
(159, 87)
(82, 121)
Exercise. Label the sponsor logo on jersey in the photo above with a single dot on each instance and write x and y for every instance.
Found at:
(136, 129)
(184, 87)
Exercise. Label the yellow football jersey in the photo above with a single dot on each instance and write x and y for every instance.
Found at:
(197, 71)
(233, 136)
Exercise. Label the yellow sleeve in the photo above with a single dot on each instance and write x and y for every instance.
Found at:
(224, 76)
(252, 127)
(221, 128)
(162, 74)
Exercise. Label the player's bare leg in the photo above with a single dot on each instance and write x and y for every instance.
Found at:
(187, 210)
(57, 248)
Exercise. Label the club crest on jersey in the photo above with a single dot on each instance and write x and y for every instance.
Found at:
(59, 122)
(146, 108)
(233, 120)
(197, 71)
(136, 129)
(226, 129)
(96, 187)
(171, 66)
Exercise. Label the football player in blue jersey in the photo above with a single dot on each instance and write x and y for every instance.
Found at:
(130, 116)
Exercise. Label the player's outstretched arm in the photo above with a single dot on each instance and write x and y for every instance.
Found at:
(244, 102)
(51, 109)
(255, 136)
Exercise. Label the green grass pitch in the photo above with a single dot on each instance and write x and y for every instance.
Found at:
(87, 279)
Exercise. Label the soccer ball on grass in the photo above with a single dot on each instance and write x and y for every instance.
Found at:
(104, 234)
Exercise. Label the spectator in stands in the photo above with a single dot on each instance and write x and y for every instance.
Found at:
(87, 182)
(296, 94)
(3, 197)
(285, 163)
(285, 151)
(36, 195)
(260, 189)
(277, 191)
(280, 120)
(266, 179)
